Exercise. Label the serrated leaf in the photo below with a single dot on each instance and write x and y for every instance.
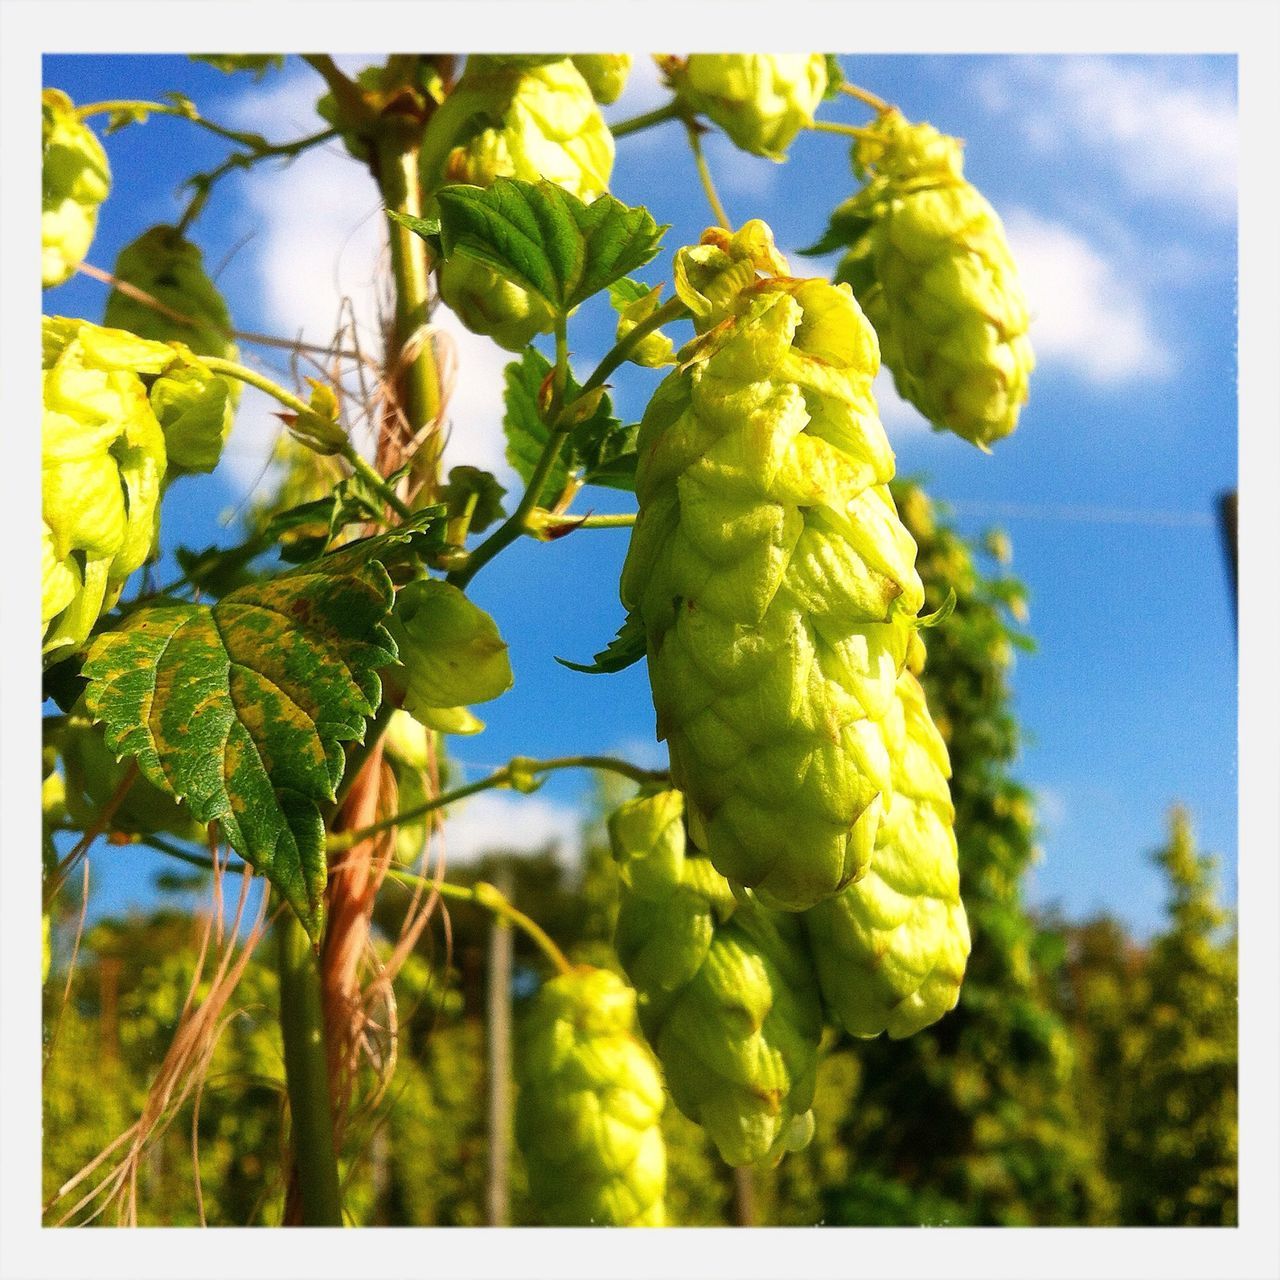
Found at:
(427, 228)
(626, 648)
(546, 240)
(241, 708)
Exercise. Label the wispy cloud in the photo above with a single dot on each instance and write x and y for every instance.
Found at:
(1088, 317)
(1162, 126)
(493, 822)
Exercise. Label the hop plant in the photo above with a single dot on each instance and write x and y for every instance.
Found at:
(768, 567)
(605, 73)
(890, 949)
(509, 118)
(195, 410)
(727, 994)
(929, 262)
(75, 180)
(587, 1118)
(761, 100)
(103, 462)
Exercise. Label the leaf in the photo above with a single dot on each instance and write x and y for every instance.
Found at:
(626, 648)
(241, 708)
(595, 450)
(465, 481)
(451, 653)
(546, 240)
(427, 228)
(256, 63)
(835, 77)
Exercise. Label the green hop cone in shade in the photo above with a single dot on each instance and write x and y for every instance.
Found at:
(774, 581)
(103, 464)
(591, 1098)
(761, 100)
(605, 73)
(194, 408)
(727, 993)
(507, 118)
(929, 262)
(75, 180)
(890, 950)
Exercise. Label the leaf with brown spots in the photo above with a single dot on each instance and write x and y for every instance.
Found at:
(241, 708)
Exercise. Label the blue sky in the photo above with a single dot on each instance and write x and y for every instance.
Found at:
(1116, 178)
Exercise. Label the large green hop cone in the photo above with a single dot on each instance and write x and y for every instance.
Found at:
(102, 455)
(195, 410)
(75, 180)
(775, 583)
(761, 100)
(928, 259)
(513, 117)
(890, 950)
(587, 1119)
(727, 994)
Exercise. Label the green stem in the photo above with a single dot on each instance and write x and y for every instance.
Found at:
(251, 140)
(704, 173)
(482, 894)
(340, 842)
(864, 95)
(659, 116)
(411, 270)
(518, 522)
(540, 519)
(362, 468)
(315, 1161)
(848, 130)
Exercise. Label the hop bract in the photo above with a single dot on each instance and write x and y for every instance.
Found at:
(103, 462)
(775, 582)
(587, 1118)
(605, 73)
(508, 119)
(195, 409)
(75, 180)
(890, 950)
(726, 989)
(929, 262)
(761, 100)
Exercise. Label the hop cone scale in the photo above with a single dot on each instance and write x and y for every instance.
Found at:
(775, 582)
(587, 1119)
(890, 950)
(929, 262)
(727, 993)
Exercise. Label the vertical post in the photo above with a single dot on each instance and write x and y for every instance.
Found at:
(315, 1162)
(1227, 517)
(499, 1053)
(744, 1196)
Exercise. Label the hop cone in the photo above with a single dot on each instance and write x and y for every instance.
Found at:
(890, 950)
(75, 180)
(506, 118)
(605, 73)
(103, 461)
(195, 410)
(761, 100)
(928, 260)
(587, 1119)
(775, 582)
(727, 994)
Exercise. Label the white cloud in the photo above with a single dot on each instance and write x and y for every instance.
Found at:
(1159, 130)
(1087, 315)
(495, 821)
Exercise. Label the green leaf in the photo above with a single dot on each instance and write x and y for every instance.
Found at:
(451, 653)
(600, 450)
(457, 494)
(626, 648)
(545, 240)
(256, 63)
(835, 77)
(522, 423)
(427, 228)
(241, 708)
